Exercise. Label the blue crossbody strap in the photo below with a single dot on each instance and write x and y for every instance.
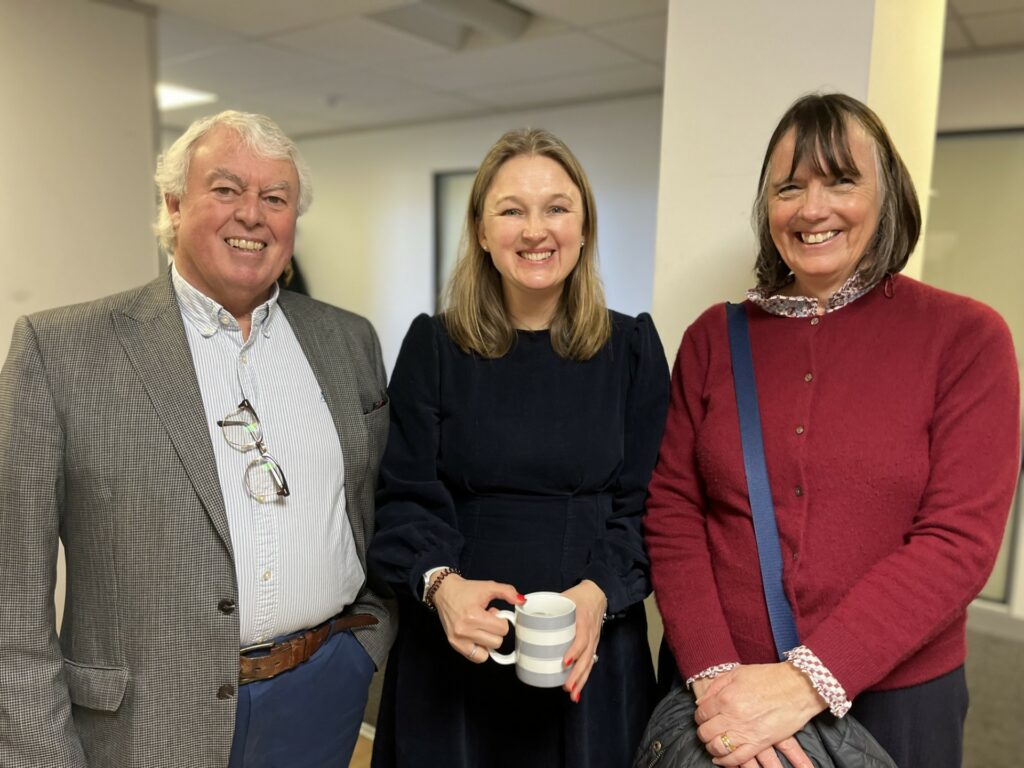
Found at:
(769, 553)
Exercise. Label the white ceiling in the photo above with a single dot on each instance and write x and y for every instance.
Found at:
(323, 66)
(974, 26)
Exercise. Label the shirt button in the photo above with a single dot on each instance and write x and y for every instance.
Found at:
(800, 429)
(225, 320)
(799, 491)
(815, 320)
(266, 575)
(243, 358)
(808, 376)
(225, 692)
(226, 606)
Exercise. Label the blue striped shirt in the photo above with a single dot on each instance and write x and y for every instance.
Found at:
(295, 559)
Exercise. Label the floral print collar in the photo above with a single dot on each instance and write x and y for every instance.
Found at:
(808, 306)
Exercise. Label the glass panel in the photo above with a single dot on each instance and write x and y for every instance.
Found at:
(451, 196)
(972, 247)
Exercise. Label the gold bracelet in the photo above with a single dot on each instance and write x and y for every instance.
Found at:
(441, 576)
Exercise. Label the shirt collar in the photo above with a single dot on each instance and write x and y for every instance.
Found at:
(208, 317)
(807, 306)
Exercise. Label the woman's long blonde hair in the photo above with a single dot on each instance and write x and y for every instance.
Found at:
(474, 307)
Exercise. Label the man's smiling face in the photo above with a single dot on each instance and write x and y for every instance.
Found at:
(235, 224)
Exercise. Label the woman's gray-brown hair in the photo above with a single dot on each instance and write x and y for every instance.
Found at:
(821, 124)
(474, 307)
(259, 134)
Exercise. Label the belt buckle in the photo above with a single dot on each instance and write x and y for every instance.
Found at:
(256, 647)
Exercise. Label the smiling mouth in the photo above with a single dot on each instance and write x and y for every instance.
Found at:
(813, 238)
(536, 255)
(245, 245)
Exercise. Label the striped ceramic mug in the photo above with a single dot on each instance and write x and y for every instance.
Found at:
(545, 626)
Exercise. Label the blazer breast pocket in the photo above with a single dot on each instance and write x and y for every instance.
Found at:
(100, 688)
(376, 421)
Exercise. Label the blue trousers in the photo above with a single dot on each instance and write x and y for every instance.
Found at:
(921, 726)
(307, 717)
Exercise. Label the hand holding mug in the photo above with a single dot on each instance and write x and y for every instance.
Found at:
(471, 627)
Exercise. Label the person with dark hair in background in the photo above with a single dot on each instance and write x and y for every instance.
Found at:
(293, 279)
(525, 424)
(217, 610)
(890, 417)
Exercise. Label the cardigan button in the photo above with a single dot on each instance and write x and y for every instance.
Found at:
(808, 376)
(800, 429)
(225, 692)
(815, 320)
(226, 606)
(799, 491)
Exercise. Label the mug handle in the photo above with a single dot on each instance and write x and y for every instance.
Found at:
(505, 658)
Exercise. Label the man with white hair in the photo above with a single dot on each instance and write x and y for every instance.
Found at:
(206, 447)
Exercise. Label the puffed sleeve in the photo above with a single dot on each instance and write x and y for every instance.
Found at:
(416, 527)
(618, 562)
(675, 529)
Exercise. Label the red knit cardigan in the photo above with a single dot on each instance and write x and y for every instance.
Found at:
(892, 437)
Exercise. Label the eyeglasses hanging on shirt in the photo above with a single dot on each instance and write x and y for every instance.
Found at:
(264, 478)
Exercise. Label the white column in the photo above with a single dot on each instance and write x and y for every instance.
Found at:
(77, 144)
(77, 149)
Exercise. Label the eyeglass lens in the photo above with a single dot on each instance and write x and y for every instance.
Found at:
(264, 479)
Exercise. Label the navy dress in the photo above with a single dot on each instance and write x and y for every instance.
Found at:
(530, 470)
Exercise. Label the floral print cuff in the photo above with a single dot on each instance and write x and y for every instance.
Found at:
(824, 682)
(710, 672)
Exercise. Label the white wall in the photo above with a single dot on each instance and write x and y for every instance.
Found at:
(732, 69)
(76, 149)
(367, 242)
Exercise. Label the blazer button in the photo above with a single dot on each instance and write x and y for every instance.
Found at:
(227, 606)
(225, 692)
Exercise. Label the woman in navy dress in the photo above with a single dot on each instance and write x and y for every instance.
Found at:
(525, 426)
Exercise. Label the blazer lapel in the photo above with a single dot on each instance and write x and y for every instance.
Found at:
(153, 336)
(328, 349)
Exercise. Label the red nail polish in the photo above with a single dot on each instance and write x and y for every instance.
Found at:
(568, 662)
(520, 598)
(576, 696)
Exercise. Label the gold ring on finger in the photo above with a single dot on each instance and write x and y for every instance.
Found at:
(726, 742)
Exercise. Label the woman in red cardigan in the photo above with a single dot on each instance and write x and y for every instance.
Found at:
(890, 416)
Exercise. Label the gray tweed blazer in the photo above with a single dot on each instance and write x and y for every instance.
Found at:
(103, 442)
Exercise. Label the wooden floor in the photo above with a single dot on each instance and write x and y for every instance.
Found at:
(361, 757)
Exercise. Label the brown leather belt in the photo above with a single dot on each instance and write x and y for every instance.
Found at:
(280, 657)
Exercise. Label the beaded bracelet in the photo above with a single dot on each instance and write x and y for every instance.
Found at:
(444, 573)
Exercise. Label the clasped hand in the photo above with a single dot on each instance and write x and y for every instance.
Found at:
(473, 629)
(758, 708)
